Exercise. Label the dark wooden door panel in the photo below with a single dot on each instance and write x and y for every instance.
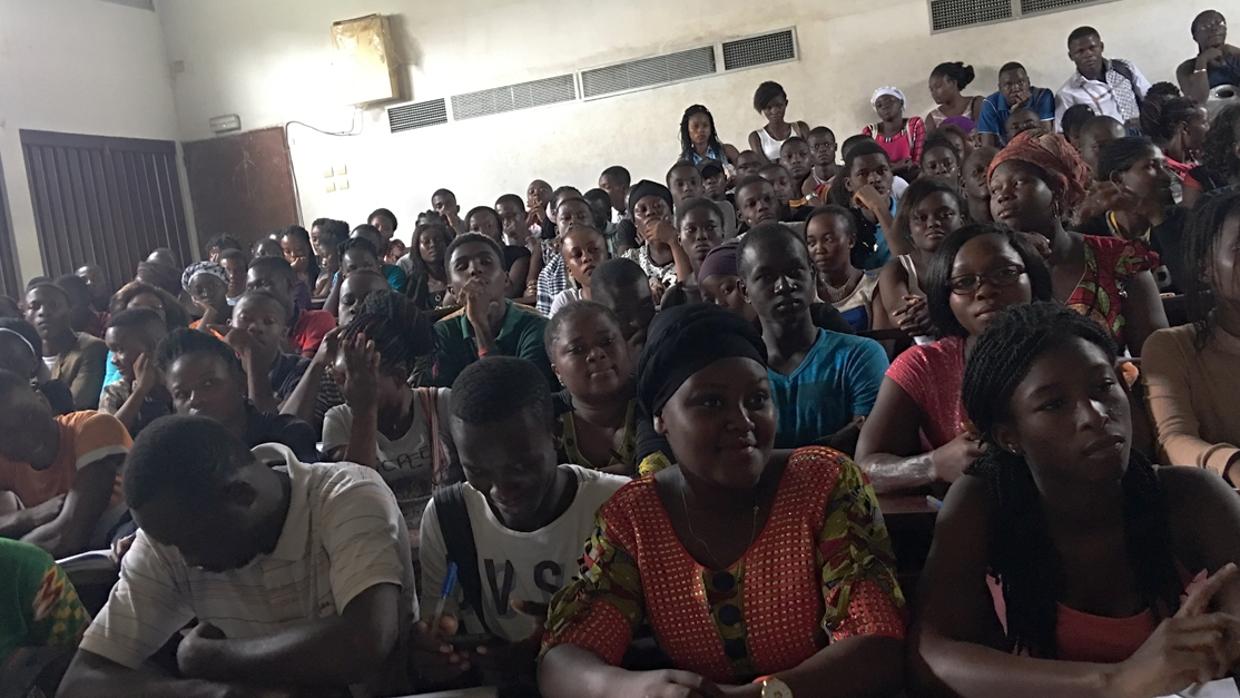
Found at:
(241, 184)
(103, 200)
(10, 279)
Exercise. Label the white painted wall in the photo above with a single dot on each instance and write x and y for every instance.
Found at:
(270, 62)
(78, 66)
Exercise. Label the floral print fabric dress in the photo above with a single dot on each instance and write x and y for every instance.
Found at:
(1110, 263)
(820, 571)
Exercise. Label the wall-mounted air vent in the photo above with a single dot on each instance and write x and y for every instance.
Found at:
(775, 47)
(955, 14)
(496, 100)
(140, 4)
(946, 15)
(1032, 7)
(647, 72)
(417, 115)
(771, 47)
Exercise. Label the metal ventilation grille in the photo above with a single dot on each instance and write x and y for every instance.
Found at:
(759, 50)
(1029, 7)
(418, 114)
(496, 100)
(954, 14)
(648, 72)
(140, 4)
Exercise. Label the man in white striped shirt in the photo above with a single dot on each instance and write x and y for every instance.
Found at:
(299, 575)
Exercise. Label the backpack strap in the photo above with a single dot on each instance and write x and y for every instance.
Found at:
(1124, 69)
(429, 398)
(458, 538)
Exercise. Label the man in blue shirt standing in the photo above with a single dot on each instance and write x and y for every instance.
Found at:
(1015, 92)
(823, 383)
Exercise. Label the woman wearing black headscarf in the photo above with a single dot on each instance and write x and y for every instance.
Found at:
(741, 562)
(658, 253)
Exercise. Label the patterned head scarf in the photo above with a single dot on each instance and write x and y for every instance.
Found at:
(213, 268)
(1067, 174)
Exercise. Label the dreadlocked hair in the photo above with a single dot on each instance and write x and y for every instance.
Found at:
(1202, 233)
(401, 333)
(1162, 116)
(1020, 551)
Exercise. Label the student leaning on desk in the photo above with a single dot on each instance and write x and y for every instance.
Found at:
(300, 573)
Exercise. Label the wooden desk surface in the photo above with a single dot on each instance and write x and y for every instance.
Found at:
(906, 505)
(484, 692)
(910, 523)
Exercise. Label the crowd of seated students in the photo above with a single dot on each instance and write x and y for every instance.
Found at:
(636, 441)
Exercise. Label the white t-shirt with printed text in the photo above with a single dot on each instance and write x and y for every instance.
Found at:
(406, 464)
(516, 565)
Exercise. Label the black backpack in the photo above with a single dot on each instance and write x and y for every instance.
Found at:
(458, 539)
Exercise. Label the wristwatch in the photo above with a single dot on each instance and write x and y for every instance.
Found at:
(774, 688)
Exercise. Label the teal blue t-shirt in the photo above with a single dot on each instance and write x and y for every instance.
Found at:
(882, 251)
(838, 380)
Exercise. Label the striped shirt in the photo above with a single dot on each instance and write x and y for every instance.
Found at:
(343, 535)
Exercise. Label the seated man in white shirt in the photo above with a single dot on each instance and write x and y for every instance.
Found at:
(528, 515)
(1113, 87)
(299, 576)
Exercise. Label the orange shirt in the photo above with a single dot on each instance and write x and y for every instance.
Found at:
(197, 325)
(85, 438)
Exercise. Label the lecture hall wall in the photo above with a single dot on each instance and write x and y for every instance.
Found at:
(269, 62)
(77, 66)
(91, 66)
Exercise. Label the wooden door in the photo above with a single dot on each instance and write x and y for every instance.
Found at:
(241, 184)
(103, 200)
(10, 279)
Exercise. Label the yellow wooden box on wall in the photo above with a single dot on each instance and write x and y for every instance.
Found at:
(363, 62)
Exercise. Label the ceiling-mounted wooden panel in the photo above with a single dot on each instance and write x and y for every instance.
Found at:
(363, 60)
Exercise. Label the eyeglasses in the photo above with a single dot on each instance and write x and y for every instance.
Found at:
(1003, 277)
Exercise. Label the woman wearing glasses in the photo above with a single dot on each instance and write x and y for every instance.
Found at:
(976, 272)
(1036, 182)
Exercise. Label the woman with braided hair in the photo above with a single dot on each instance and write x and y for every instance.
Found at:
(1060, 558)
(385, 424)
(1036, 182)
(1220, 157)
(1178, 126)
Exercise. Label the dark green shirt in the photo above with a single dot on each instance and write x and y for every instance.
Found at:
(520, 335)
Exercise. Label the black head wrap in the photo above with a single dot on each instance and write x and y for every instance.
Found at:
(646, 188)
(686, 339)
